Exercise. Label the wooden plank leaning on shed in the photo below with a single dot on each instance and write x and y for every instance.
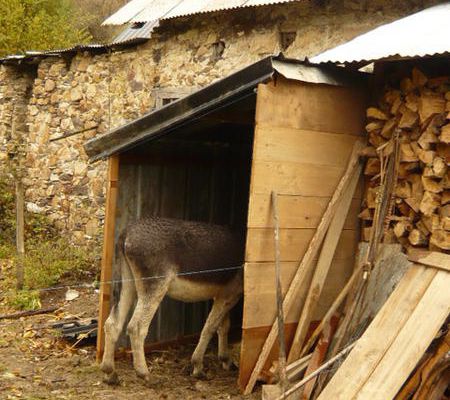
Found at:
(323, 265)
(108, 249)
(396, 339)
(307, 261)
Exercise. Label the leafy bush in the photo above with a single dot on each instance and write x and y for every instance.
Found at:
(49, 257)
(47, 262)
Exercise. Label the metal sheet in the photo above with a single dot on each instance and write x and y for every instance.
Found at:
(136, 32)
(313, 74)
(422, 34)
(153, 10)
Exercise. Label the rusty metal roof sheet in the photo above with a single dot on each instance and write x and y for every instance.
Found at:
(425, 33)
(154, 10)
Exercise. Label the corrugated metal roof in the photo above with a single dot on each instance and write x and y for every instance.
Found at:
(31, 56)
(154, 10)
(139, 30)
(425, 33)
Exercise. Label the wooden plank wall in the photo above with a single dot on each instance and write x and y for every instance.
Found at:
(304, 135)
(188, 180)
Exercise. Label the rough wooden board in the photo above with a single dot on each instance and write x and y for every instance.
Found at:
(295, 178)
(430, 258)
(252, 342)
(108, 250)
(312, 107)
(323, 267)
(412, 341)
(299, 145)
(259, 291)
(294, 243)
(379, 336)
(296, 211)
(389, 268)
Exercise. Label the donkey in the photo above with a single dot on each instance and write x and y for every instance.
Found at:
(186, 260)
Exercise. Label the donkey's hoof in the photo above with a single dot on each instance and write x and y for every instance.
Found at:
(111, 379)
(198, 373)
(107, 368)
(148, 379)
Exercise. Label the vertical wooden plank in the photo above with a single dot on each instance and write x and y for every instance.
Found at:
(108, 249)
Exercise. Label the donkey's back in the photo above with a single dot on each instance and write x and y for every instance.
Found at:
(158, 246)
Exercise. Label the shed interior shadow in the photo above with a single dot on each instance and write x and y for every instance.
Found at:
(201, 172)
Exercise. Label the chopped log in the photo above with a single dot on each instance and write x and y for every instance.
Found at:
(426, 156)
(439, 167)
(422, 228)
(430, 104)
(426, 139)
(376, 113)
(402, 228)
(396, 106)
(403, 190)
(407, 153)
(406, 168)
(430, 202)
(432, 185)
(445, 197)
(417, 238)
(414, 203)
(374, 126)
(443, 150)
(412, 102)
(444, 211)
(444, 137)
(368, 151)
(406, 85)
(409, 118)
(418, 78)
(388, 128)
(445, 223)
(373, 167)
(431, 222)
(441, 239)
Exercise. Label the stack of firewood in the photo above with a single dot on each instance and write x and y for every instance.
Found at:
(415, 121)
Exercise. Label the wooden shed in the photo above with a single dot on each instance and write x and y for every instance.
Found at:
(216, 155)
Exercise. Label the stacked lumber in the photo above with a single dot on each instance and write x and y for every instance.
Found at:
(416, 118)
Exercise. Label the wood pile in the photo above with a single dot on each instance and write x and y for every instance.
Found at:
(416, 118)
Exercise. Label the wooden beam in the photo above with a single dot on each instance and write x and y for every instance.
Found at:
(388, 323)
(108, 250)
(307, 261)
(429, 258)
(323, 266)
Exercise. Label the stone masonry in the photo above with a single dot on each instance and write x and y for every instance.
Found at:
(66, 94)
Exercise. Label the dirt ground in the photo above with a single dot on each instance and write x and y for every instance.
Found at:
(36, 364)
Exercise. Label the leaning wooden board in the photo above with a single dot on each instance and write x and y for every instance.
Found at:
(396, 339)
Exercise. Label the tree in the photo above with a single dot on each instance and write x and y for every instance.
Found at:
(38, 25)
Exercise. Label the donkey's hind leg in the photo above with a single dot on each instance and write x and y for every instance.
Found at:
(115, 323)
(222, 305)
(222, 334)
(150, 295)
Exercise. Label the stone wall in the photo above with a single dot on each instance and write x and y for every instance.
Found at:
(104, 91)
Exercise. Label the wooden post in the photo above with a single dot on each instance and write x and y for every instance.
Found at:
(280, 315)
(108, 250)
(20, 234)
